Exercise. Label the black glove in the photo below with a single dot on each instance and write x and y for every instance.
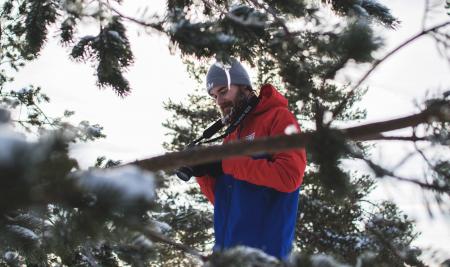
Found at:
(213, 169)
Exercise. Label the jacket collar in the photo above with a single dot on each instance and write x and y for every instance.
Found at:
(269, 98)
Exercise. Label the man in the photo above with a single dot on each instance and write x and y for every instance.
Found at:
(255, 197)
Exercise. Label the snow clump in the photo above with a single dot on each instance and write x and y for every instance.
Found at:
(129, 182)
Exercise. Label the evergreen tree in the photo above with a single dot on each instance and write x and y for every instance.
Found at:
(52, 213)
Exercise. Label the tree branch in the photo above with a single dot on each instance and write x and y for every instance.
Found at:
(154, 26)
(366, 132)
(157, 237)
(399, 138)
(437, 188)
(382, 172)
(430, 164)
(228, 14)
(405, 159)
(271, 11)
(341, 106)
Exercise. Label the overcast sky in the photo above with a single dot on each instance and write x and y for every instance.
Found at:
(133, 124)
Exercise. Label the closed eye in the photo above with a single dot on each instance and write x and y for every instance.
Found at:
(222, 91)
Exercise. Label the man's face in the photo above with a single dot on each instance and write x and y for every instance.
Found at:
(228, 99)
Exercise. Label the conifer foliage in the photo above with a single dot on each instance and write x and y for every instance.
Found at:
(111, 50)
(52, 213)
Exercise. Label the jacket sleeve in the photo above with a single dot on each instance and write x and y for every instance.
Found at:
(283, 172)
(207, 185)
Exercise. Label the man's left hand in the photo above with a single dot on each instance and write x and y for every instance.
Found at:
(213, 169)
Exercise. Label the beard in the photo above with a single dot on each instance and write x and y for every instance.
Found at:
(232, 109)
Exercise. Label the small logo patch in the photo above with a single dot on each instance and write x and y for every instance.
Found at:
(250, 137)
(209, 86)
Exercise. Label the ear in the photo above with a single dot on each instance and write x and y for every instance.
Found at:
(246, 89)
(249, 91)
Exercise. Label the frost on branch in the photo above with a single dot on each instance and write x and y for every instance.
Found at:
(243, 257)
(121, 187)
(23, 235)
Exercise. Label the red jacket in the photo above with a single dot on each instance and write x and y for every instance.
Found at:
(284, 170)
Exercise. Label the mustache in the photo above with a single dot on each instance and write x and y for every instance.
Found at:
(226, 105)
(226, 117)
(227, 110)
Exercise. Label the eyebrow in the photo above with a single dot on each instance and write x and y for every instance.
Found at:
(220, 90)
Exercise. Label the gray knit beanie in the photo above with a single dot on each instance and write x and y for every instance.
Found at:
(226, 74)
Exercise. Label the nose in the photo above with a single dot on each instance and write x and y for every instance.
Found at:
(220, 100)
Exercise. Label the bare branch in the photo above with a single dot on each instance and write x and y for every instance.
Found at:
(400, 138)
(43, 114)
(430, 164)
(157, 237)
(425, 13)
(434, 187)
(372, 131)
(154, 26)
(366, 132)
(341, 106)
(404, 160)
(31, 122)
(382, 172)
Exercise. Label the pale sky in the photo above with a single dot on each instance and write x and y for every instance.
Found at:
(133, 124)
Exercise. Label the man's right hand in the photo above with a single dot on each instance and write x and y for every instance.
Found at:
(185, 173)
